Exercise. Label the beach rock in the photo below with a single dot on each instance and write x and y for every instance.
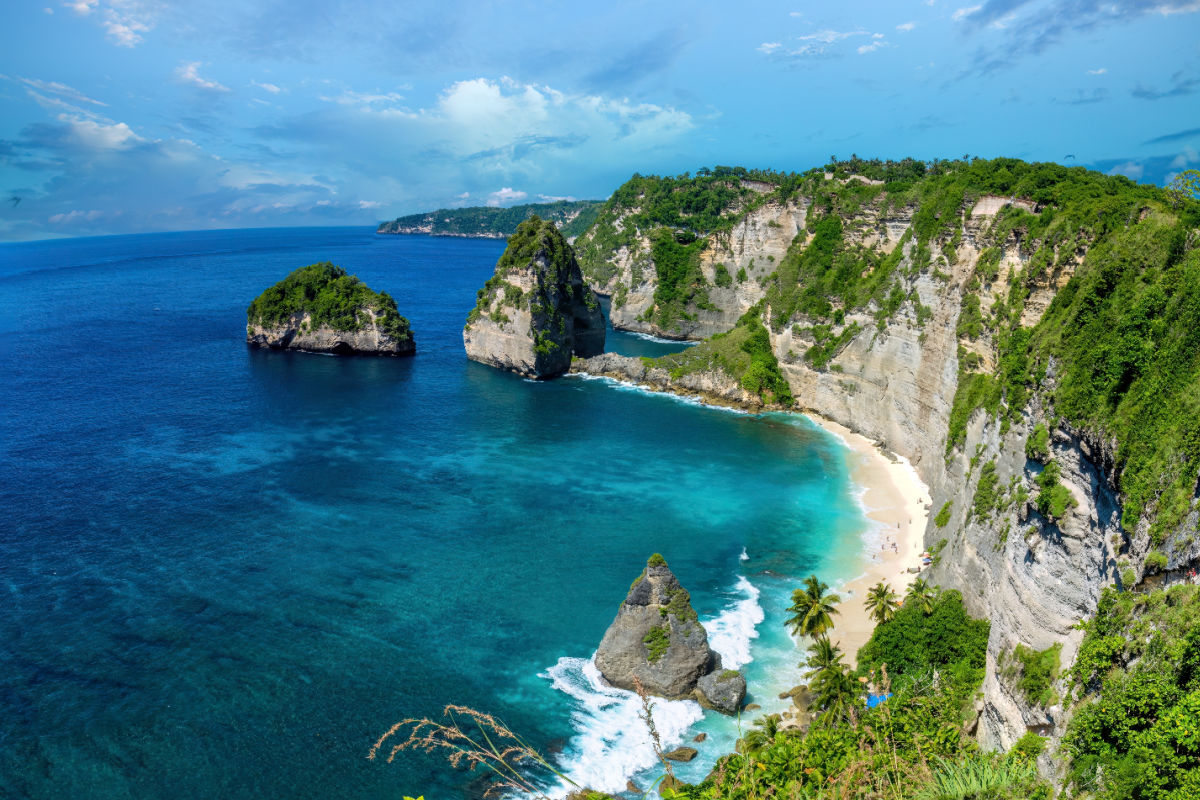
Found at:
(700, 737)
(751, 707)
(656, 638)
(681, 754)
(321, 309)
(722, 690)
(535, 312)
(632, 787)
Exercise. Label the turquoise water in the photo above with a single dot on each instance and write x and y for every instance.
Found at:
(225, 572)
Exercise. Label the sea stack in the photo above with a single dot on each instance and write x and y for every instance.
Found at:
(321, 309)
(657, 640)
(535, 312)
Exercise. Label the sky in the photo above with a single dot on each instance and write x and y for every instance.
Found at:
(125, 116)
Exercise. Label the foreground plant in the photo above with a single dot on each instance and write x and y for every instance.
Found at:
(492, 746)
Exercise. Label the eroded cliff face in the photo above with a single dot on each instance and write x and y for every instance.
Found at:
(894, 378)
(371, 337)
(735, 267)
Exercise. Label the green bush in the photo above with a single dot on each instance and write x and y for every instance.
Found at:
(1156, 561)
(722, 277)
(986, 496)
(657, 641)
(943, 516)
(1037, 671)
(1037, 447)
(913, 642)
(1053, 498)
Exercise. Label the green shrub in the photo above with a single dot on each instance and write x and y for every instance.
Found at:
(986, 496)
(722, 277)
(1053, 499)
(656, 560)
(913, 642)
(1156, 561)
(1037, 447)
(943, 516)
(657, 641)
(1037, 670)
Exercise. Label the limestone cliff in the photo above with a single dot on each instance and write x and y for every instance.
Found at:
(697, 275)
(321, 309)
(656, 640)
(535, 312)
(916, 320)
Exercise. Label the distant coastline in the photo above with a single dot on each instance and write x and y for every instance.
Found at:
(487, 222)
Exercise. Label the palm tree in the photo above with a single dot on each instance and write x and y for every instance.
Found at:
(837, 694)
(881, 602)
(812, 609)
(761, 736)
(822, 655)
(923, 595)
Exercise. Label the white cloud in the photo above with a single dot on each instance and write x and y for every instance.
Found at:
(267, 87)
(1178, 7)
(60, 89)
(462, 196)
(1188, 156)
(369, 204)
(769, 47)
(872, 47)
(963, 13)
(48, 10)
(828, 36)
(1130, 169)
(123, 20)
(372, 100)
(95, 135)
(71, 217)
(550, 198)
(190, 74)
(506, 195)
(1099, 71)
(905, 27)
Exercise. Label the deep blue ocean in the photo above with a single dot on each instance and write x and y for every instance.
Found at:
(225, 572)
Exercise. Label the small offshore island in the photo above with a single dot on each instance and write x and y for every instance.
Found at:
(321, 309)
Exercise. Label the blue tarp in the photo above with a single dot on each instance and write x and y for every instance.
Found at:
(875, 699)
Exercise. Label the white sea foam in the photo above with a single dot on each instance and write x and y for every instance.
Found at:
(731, 632)
(611, 743)
(628, 386)
(649, 337)
(744, 556)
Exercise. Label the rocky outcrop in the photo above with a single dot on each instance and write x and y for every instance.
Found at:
(535, 312)
(713, 386)
(321, 309)
(657, 642)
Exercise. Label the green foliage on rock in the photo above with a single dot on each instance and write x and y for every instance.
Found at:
(1035, 672)
(657, 641)
(1137, 735)
(975, 391)
(1037, 447)
(986, 496)
(943, 516)
(656, 560)
(331, 297)
(743, 353)
(1053, 499)
(681, 283)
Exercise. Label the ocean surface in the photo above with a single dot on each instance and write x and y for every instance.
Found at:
(225, 572)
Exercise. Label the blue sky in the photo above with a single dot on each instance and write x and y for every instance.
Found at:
(142, 115)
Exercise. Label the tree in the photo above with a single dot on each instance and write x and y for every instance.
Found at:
(837, 694)
(1184, 186)
(822, 655)
(881, 602)
(922, 595)
(760, 736)
(812, 608)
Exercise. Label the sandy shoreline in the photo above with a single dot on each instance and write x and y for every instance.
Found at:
(896, 498)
